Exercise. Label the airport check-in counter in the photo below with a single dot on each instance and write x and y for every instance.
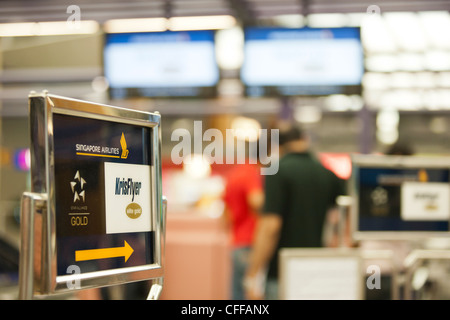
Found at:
(96, 170)
(397, 205)
(330, 273)
(198, 257)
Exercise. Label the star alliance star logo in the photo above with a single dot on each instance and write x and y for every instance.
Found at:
(77, 187)
(379, 196)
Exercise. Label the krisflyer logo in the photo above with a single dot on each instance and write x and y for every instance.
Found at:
(127, 187)
(77, 187)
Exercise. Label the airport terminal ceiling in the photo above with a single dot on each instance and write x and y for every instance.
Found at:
(40, 63)
(248, 11)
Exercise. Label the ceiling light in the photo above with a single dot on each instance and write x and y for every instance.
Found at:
(307, 114)
(51, 28)
(425, 80)
(338, 102)
(402, 80)
(410, 61)
(382, 63)
(407, 30)
(290, 20)
(443, 79)
(437, 60)
(229, 48)
(202, 23)
(327, 20)
(377, 81)
(135, 25)
(355, 19)
(387, 119)
(402, 99)
(387, 137)
(434, 22)
(376, 35)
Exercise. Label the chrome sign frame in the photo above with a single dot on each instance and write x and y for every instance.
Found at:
(38, 206)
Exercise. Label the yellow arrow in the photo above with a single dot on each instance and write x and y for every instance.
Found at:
(94, 254)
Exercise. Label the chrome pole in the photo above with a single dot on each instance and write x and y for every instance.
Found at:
(31, 203)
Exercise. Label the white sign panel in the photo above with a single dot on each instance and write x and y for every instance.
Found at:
(323, 278)
(127, 198)
(425, 201)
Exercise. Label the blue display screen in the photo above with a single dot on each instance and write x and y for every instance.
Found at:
(307, 61)
(161, 64)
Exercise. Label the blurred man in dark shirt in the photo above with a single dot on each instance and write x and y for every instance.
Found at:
(297, 199)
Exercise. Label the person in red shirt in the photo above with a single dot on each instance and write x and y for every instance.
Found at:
(243, 199)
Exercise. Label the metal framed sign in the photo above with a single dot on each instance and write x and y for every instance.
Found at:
(400, 197)
(96, 196)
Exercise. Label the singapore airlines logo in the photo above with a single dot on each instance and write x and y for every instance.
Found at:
(103, 151)
(77, 187)
(123, 144)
